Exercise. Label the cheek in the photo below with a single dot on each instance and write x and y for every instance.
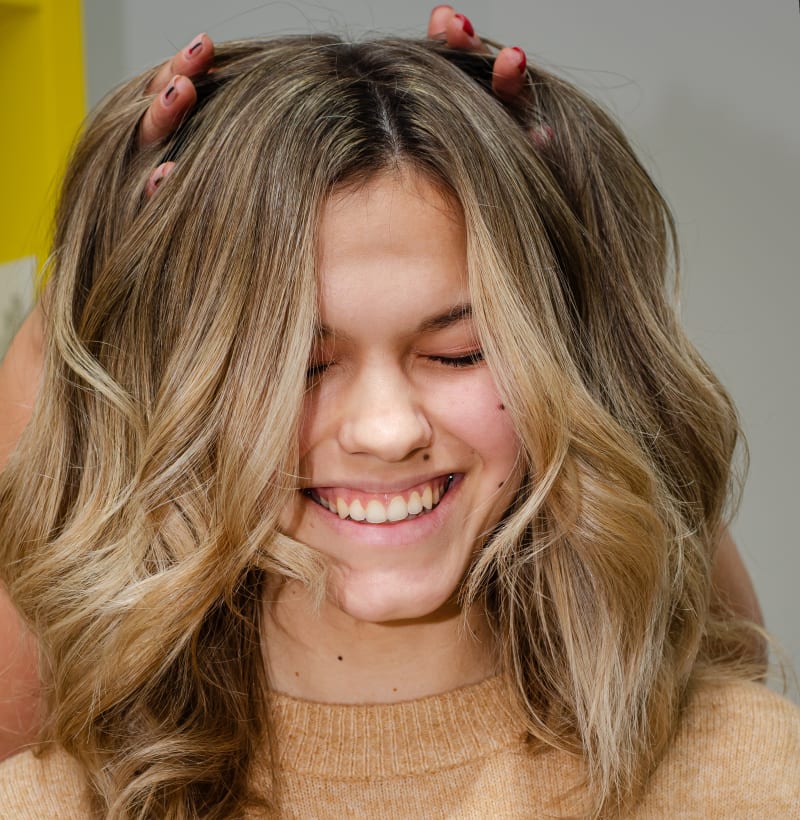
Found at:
(473, 412)
(312, 418)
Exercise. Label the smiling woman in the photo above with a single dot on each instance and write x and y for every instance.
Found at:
(381, 478)
(405, 414)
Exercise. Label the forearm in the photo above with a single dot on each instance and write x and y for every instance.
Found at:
(19, 682)
(733, 583)
(20, 374)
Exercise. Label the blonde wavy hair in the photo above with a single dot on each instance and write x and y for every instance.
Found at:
(138, 517)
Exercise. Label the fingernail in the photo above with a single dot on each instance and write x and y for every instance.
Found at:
(194, 48)
(170, 91)
(542, 135)
(465, 24)
(523, 61)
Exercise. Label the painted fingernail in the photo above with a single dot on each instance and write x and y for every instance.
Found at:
(523, 60)
(170, 92)
(542, 135)
(465, 24)
(194, 48)
(161, 173)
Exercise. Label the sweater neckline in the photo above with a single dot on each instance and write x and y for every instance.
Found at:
(395, 739)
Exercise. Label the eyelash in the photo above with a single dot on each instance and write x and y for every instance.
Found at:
(317, 370)
(476, 357)
(471, 359)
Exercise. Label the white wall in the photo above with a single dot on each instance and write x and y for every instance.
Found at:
(16, 296)
(708, 90)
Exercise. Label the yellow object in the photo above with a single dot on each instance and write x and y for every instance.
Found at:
(42, 104)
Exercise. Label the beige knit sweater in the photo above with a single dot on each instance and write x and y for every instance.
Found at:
(461, 755)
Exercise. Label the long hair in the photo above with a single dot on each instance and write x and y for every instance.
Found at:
(138, 516)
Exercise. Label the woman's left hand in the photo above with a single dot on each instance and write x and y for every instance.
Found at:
(508, 74)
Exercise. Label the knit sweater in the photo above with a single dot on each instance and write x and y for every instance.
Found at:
(463, 755)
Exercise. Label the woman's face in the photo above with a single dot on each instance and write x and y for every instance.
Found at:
(407, 455)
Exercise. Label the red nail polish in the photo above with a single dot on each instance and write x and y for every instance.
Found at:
(170, 91)
(523, 62)
(542, 135)
(465, 24)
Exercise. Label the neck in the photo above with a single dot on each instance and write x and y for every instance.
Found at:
(328, 656)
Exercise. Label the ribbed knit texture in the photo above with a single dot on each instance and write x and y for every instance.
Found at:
(395, 740)
(462, 755)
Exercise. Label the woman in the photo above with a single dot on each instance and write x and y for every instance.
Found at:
(173, 97)
(376, 402)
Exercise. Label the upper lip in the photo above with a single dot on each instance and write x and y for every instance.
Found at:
(377, 486)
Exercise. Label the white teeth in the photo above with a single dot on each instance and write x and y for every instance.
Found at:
(398, 509)
(376, 512)
(342, 508)
(357, 512)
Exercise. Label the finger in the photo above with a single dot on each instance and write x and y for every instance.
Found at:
(157, 177)
(167, 110)
(542, 135)
(437, 22)
(191, 61)
(454, 28)
(460, 33)
(508, 74)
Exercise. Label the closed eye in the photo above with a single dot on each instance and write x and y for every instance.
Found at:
(470, 359)
(316, 370)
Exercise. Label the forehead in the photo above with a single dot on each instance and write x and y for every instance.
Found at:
(393, 247)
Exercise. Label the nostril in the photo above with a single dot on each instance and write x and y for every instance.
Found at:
(392, 433)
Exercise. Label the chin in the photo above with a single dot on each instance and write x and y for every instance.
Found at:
(384, 600)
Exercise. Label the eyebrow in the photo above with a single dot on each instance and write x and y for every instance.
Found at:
(439, 321)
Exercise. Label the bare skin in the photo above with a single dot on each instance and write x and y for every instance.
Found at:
(20, 370)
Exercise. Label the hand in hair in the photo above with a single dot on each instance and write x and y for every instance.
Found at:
(175, 92)
(175, 96)
(174, 89)
(508, 74)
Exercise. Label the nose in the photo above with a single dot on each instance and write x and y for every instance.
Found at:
(383, 417)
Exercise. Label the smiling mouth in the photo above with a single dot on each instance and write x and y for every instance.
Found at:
(382, 508)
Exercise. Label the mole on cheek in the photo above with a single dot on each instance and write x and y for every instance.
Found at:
(501, 407)
(426, 457)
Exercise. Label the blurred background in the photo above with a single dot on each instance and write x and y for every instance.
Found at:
(706, 90)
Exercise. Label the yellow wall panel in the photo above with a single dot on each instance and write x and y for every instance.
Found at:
(42, 100)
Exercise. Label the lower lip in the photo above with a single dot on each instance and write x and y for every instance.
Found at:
(394, 534)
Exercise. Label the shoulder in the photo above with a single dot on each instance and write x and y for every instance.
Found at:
(748, 717)
(736, 754)
(47, 785)
(744, 700)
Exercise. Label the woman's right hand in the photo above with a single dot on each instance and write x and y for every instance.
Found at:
(175, 97)
(174, 89)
